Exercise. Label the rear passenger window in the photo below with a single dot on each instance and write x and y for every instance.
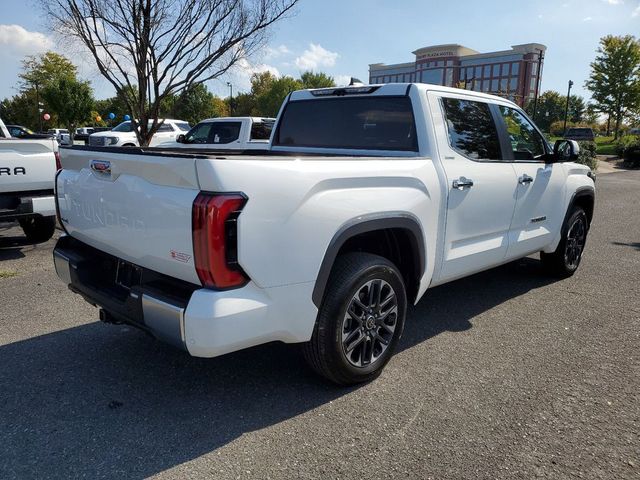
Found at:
(261, 130)
(472, 131)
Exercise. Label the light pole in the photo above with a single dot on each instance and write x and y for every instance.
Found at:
(230, 98)
(566, 109)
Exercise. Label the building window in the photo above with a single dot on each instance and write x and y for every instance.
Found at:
(487, 71)
(485, 85)
(494, 85)
(496, 70)
(505, 69)
(433, 76)
(532, 85)
(503, 85)
(515, 67)
(534, 68)
(478, 72)
(513, 84)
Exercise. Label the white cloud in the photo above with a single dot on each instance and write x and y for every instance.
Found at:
(614, 2)
(277, 52)
(316, 56)
(587, 19)
(636, 11)
(20, 41)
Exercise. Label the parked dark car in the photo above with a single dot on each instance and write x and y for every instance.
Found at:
(580, 134)
(18, 131)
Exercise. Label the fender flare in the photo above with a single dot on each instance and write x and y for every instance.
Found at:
(580, 192)
(364, 224)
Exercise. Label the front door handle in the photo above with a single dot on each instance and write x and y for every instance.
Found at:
(524, 179)
(462, 183)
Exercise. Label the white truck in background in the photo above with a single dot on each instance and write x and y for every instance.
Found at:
(366, 197)
(226, 133)
(27, 172)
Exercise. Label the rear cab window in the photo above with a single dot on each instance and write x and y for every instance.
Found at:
(471, 129)
(261, 130)
(358, 123)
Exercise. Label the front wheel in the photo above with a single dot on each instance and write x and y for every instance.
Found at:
(360, 321)
(38, 229)
(565, 260)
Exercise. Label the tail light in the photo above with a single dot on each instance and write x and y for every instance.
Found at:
(58, 164)
(215, 243)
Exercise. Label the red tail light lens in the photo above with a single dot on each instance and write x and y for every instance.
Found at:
(58, 164)
(214, 239)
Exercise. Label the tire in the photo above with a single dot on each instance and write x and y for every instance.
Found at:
(566, 259)
(38, 229)
(350, 348)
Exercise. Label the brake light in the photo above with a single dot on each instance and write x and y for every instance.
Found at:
(58, 164)
(215, 243)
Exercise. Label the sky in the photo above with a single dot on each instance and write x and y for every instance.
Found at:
(343, 37)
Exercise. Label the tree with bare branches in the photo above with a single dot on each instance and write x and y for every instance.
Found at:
(149, 50)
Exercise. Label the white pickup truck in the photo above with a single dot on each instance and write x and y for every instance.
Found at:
(222, 133)
(368, 197)
(27, 170)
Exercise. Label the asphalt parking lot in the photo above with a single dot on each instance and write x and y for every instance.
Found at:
(507, 374)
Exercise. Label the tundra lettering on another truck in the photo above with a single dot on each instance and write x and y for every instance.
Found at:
(367, 197)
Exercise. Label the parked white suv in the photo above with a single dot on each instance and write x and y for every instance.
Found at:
(124, 136)
(368, 197)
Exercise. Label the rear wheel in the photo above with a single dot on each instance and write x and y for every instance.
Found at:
(38, 229)
(360, 321)
(566, 259)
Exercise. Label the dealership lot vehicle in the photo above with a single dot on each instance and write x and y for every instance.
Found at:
(237, 133)
(383, 192)
(580, 134)
(27, 170)
(124, 136)
(506, 374)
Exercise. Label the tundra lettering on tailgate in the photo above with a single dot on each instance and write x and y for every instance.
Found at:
(99, 214)
(14, 171)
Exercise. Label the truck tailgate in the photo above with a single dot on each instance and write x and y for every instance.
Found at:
(135, 206)
(27, 164)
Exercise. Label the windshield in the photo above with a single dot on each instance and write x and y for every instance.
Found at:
(123, 127)
(366, 123)
(183, 126)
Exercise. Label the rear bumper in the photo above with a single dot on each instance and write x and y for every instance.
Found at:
(25, 204)
(205, 323)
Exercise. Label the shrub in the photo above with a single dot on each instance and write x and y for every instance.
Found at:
(624, 143)
(587, 155)
(631, 153)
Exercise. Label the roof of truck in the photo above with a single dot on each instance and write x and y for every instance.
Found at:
(253, 119)
(395, 89)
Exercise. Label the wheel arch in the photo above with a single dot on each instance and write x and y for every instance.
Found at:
(390, 233)
(585, 198)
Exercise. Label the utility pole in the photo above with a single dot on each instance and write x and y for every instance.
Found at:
(566, 108)
(230, 98)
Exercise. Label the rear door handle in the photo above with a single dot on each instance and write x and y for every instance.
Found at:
(462, 183)
(524, 179)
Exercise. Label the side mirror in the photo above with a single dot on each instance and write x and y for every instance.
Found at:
(565, 150)
(181, 138)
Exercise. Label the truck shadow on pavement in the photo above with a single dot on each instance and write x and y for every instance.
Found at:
(97, 401)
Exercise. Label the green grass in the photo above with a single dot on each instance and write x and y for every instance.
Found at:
(8, 273)
(605, 146)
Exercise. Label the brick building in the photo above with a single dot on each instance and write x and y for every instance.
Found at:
(514, 73)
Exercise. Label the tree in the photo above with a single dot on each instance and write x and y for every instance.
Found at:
(550, 109)
(316, 80)
(71, 100)
(269, 102)
(45, 69)
(615, 77)
(160, 48)
(194, 104)
(577, 108)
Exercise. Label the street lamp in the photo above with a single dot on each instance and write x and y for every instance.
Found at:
(230, 98)
(566, 109)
